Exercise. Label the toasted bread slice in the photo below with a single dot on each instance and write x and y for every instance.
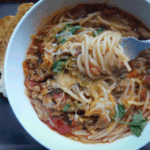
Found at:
(7, 26)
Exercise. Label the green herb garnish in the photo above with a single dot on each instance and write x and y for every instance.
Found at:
(93, 34)
(62, 41)
(99, 30)
(68, 30)
(120, 113)
(60, 38)
(59, 65)
(137, 125)
(67, 26)
(74, 28)
(67, 106)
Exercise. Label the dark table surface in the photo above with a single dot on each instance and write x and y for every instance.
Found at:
(12, 134)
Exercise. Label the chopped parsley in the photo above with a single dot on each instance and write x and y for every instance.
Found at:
(120, 113)
(99, 30)
(59, 65)
(68, 30)
(67, 26)
(74, 28)
(60, 39)
(137, 125)
(67, 106)
(93, 34)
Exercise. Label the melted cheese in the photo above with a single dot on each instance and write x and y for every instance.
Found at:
(66, 80)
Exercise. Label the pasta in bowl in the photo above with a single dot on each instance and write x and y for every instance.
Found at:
(66, 77)
(79, 80)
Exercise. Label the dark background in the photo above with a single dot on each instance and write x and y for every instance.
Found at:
(12, 134)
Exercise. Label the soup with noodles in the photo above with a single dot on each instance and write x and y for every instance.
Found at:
(79, 80)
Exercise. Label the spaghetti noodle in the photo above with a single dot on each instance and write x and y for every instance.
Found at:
(79, 80)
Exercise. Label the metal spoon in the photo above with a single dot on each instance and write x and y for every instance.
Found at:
(132, 46)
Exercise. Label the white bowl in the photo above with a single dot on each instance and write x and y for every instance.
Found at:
(14, 77)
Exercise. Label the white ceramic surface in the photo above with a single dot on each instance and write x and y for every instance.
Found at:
(14, 77)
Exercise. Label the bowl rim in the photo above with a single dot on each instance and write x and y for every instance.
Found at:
(139, 145)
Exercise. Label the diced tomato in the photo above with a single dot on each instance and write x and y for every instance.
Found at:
(143, 93)
(94, 69)
(146, 79)
(55, 96)
(133, 73)
(58, 95)
(32, 84)
(77, 52)
(41, 48)
(60, 126)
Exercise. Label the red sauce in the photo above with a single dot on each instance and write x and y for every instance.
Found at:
(56, 96)
(32, 83)
(143, 93)
(94, 69)
(133, 73)
(41, 49)
(60, 126)
(77, 52)
(146, 79)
